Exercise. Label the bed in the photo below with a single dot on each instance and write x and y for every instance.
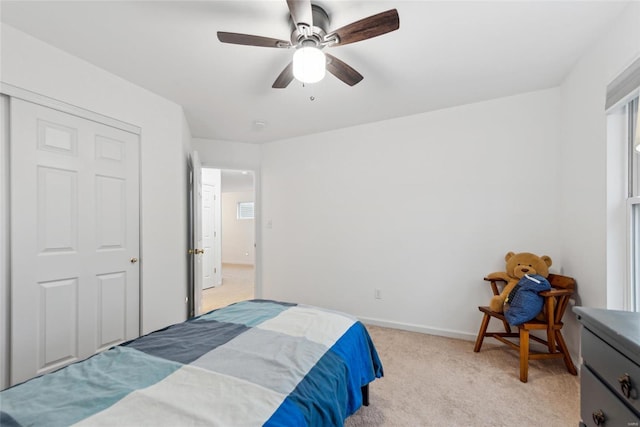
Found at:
(253, 363)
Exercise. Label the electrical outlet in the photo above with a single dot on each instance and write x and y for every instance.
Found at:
(377, 294)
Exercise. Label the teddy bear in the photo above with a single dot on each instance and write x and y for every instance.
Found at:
(518, 264)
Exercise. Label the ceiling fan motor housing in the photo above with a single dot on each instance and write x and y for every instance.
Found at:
(314, 35)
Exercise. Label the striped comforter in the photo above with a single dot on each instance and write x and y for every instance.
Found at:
(249, 364)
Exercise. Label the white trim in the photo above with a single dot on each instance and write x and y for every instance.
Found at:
(418, 328)
(5, 261)
(27, 95)
(626, 83)
(629, 296)
(257, 233)
(633, 200)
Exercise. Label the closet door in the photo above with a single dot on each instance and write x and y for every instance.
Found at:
(74, 238)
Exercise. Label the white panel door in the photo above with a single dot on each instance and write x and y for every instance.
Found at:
(75, 238)
(211, 224)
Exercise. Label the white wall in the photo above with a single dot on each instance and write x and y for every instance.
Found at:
(396, 205)
(33, 65)
(591, 168)
(228, 155)
(420, 207)
(237, 234)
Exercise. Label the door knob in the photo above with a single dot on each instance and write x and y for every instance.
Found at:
(133, 260)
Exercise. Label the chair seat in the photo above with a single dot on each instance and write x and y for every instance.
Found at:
(530, 324)
(555, 303)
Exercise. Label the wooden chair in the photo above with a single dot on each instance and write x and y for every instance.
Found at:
(555, 304)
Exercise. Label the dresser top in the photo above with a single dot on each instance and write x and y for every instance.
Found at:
(620, 328)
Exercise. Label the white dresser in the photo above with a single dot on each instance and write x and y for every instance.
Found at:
(610, 372)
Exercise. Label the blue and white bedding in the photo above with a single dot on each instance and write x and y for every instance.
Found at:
(252, 363)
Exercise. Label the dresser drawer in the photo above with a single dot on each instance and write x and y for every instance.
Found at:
(611, 366)
(596, 398)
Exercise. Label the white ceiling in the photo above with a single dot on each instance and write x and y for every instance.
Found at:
(445, 53)
(236, 181)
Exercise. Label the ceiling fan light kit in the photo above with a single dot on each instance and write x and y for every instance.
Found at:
(309, 36)
(309, 64)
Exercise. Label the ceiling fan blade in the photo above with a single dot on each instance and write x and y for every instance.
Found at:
(285, 77)
(301, 12)
(373, 26)
(249, 40)
(342, 71)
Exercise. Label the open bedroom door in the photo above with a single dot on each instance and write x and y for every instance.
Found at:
(195, 236)
(211, 224)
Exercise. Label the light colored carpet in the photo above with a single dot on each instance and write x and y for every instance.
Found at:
(437, 381)
(237, 285)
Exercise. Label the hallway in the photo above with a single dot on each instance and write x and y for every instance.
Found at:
(237, 285)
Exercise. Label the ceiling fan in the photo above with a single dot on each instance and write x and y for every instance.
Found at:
(309, 36)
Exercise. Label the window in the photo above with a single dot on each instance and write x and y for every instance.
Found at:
(623, 126)
(245, 210)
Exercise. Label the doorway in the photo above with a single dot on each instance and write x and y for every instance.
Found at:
(235, 228)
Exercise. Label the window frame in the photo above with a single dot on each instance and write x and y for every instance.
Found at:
(622, 97)
(240, 210)
(632, 299)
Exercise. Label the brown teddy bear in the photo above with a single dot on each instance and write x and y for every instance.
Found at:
(517, 266)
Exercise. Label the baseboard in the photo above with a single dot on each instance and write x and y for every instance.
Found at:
(238, 264)
(418, 328)
(439, 332)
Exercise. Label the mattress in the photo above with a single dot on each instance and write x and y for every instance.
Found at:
(253, 363)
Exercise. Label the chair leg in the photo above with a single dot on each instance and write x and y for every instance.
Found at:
(507, 327)
(524, 355)
(483, 330)
(551, 340)
(565, 352)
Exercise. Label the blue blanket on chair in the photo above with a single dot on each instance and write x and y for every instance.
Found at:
(524, 302)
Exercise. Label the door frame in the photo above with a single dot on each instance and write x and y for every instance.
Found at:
(194, 231)
(11, 91)
(257, 232)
